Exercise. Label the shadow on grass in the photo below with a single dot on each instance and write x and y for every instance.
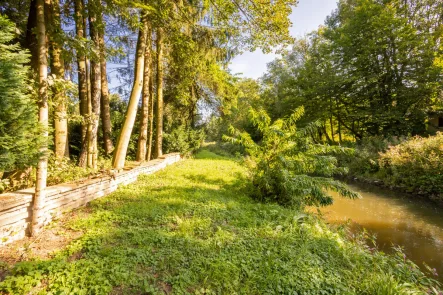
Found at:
(192, 229)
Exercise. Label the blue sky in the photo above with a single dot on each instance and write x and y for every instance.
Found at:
(307, 16)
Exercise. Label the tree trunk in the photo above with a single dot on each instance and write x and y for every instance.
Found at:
(159, 114)
(95, 87)
(143, 136)
(42, 167)
(104, 102)
(31, 38)
(57, 70)
(151, 112)
(125, 133)
(82, 83)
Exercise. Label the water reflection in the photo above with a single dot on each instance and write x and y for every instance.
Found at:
(415, 225)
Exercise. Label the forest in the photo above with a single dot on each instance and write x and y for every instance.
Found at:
(90, 89)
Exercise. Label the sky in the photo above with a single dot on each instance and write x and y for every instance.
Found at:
(306, 17)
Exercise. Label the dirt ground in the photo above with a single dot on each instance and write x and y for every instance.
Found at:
(53, 237)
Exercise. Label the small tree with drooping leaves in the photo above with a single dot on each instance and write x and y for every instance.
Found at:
(287, 166)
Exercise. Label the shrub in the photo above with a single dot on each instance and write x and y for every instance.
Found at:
(364, 160)
(416, 165)
(183, 140)
(286, 166)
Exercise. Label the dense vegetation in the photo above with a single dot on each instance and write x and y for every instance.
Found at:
(192, 229)
(369, 79)
(413, 165)
(87, 85)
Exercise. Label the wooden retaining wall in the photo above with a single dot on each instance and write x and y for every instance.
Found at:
(16, 207)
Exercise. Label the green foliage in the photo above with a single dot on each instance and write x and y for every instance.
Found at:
(370, 71)
(65, 170)
(183, 140)
(415, 165)
(365, 160)
(286, 166)
(192, 229)
(20, 138)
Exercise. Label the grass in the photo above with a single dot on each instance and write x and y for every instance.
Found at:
(192, 229)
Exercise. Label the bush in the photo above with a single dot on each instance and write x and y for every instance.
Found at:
(183, 140)
(416, 165)
(226, 149)
(364, 160)
(286, 166)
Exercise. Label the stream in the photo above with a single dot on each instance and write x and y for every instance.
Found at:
(395, 219)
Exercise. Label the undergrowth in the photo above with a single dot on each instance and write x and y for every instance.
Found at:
(192, 229)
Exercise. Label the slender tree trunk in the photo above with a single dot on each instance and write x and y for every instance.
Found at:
(88, 144)
(82, 80)
(104, 102)
(143, 136)
(57, 70)
(159, 114)
(151, 112)
(131, 113)
(95, 87)
(42, 167)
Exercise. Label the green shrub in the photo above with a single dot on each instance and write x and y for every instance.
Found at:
(286, 166)
(183, 140)
(416, 165)
(226, 149)
(364, 160)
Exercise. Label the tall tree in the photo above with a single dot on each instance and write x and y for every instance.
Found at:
(151, 113)
(146, 94)
(82, 79)
(94, 23)
(104, 102)
(159, 82)
(54, 31)
(42, 167)
(131, 113)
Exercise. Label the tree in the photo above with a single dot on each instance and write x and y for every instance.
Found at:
(104, 102)
(94, 23)
(43, 117)
(146, 101)
(20, 134)
(159, 82)
(82, 79)
(131, 113)
(55, 36)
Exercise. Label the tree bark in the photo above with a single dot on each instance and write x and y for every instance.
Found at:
(159, 114)
(104, 102)
(31, 38)
(57, 70)
(151, 112)
(42, 167)
(131, 113)
(95, 87)
(82, 83)
(143, 136)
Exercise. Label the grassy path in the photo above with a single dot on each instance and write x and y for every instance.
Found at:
(192, 229)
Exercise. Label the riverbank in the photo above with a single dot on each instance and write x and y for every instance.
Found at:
(413, 166)
(193, 229)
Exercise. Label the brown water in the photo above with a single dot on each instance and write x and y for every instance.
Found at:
(415, 225)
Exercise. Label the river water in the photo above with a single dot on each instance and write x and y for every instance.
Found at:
(395, 219)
